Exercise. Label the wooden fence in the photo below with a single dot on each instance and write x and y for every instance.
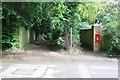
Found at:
(87, 39)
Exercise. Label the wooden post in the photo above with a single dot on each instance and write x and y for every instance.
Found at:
(96, 44)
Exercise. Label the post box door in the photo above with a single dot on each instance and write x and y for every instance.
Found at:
(97, 37)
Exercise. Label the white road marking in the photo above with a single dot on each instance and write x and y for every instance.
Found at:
(1, 67)
(84, 73)
(39, 70)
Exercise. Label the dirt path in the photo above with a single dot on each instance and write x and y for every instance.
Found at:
(41, 52)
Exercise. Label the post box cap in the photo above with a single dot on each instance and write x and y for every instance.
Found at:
(96, 25)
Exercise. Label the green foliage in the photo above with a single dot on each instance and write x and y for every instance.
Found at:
(74, 53)
(64, 15)
(88, 11)
(60, 41)
(115, 41)
(10, 37)
(52, 20)
(109, 20)
(110, 54)
(16, 15)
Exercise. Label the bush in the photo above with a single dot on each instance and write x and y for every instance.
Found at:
(10, 38)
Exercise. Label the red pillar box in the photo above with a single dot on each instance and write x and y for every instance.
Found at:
(97, 37)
